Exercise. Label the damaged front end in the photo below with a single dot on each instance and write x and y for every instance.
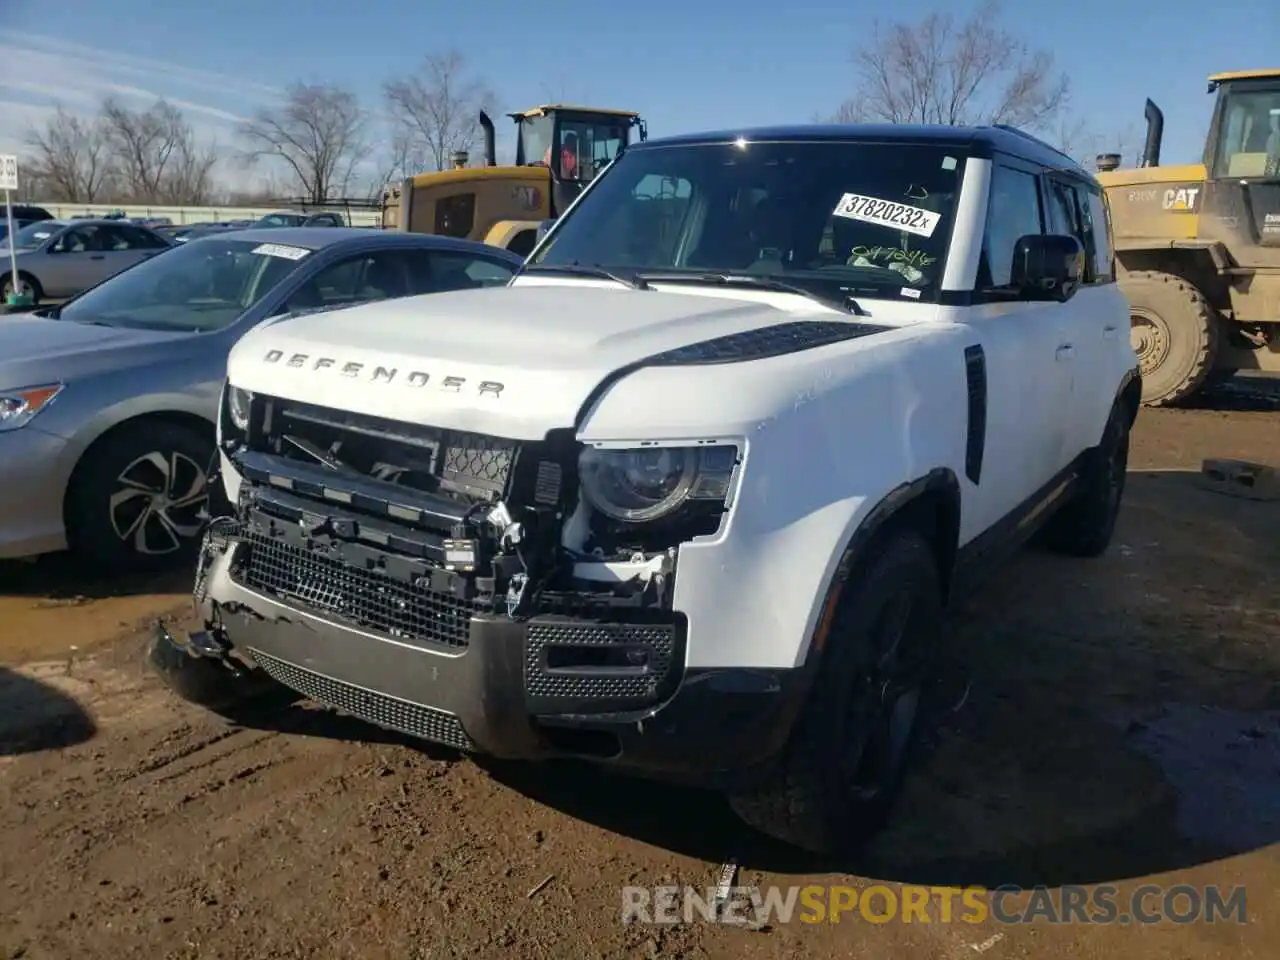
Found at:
(478, 591)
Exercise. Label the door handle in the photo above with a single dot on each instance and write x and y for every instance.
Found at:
(1065, 352)
(97, 256)
(1109, 332)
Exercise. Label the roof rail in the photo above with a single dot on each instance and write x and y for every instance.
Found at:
(1034, 139)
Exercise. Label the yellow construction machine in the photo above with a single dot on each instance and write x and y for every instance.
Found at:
(1198, 245)
(559, 149)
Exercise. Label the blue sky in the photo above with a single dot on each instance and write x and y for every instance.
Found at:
(685, 66)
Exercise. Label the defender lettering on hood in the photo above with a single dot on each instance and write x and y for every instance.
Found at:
(416, 379)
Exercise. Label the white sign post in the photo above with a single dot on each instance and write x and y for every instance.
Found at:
(9, 184)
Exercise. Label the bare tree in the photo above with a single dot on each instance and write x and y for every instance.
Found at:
(438, 107)
(1082, 143)
(155, 154)
(939, 71)
(69, 157)
(319, 134)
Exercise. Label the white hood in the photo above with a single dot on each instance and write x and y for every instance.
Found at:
(507, 361)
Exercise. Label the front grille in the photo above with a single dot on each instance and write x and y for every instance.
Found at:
(469, 466)
(562, 661)
(362, 597)
(414, 719)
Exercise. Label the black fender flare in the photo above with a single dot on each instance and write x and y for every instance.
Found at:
(891, 505)
(1131, 376)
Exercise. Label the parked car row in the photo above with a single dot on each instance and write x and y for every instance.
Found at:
(108, 401)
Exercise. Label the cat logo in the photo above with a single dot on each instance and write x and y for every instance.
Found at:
(1181, 200)
(529, 198)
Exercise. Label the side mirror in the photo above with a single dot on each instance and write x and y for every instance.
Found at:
(543, 227)
(1047, 266)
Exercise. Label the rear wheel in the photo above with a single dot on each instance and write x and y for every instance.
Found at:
(1174, 331)
(843, 766)
(1084, 527)
(27, 285)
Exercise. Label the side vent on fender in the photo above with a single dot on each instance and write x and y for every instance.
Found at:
(975, 373)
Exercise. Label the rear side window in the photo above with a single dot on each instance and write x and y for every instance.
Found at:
(1077, 210)
(1099, 219)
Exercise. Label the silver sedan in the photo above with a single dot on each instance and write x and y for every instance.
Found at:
(108, 402)
(60, 258)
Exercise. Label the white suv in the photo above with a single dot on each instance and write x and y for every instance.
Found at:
(690, 495)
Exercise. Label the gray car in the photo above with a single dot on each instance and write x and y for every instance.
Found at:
(60, 258)
(108, 402)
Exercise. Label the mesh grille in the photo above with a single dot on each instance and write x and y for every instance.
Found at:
(659, 639)
(378, 708)
(363, 597)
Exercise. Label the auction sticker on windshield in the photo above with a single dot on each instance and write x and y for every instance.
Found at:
(888, 213)
(281, 250)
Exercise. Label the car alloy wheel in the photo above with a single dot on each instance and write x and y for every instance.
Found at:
(157, 503)
(884, 700)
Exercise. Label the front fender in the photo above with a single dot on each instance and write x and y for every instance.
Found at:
(828, 435)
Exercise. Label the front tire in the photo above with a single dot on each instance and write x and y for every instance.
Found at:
(1175, 334)
(137, 500)
(1084, 526)
(842, 769)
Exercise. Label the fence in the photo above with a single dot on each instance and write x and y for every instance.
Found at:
(356, 217)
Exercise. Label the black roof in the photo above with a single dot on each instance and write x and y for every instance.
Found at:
(973, 141)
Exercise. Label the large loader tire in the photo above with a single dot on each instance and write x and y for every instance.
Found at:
(1175, 334)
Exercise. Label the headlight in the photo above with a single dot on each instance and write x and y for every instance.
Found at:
(18, 407)
(646, 483)
(238, 402)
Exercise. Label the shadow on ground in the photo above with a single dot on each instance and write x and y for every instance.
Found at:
(1240, 394)
(35, 716)
(59, 578)
(1120, 717)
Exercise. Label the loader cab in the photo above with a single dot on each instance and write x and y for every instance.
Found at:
(1241, 203)
(1244, 136)
(575, 143)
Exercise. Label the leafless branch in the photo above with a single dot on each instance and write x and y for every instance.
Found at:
(69, 157)
(438, 108)
(937, 70)
(318, 134)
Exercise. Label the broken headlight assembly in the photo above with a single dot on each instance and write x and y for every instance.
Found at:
(238, 401)
(646, 483)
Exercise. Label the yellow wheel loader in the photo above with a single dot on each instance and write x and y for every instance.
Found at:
(1198, 245)
(559, 149)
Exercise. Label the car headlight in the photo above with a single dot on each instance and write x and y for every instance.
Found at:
(640, 484)
(238, 402)
(18, 407)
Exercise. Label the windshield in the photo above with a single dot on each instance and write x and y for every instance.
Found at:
(1249, 134)
(197, 287)
(841, 219)
(535, 139)
(34, 235)
(281, 220)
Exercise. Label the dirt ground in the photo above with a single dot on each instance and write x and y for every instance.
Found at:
(1113, 721)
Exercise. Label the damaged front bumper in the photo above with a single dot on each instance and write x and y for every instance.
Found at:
(610, 690)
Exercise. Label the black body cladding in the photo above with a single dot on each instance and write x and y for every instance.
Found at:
(975, 373)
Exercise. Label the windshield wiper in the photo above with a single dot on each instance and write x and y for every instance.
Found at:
(635, 282)
(843, 304)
